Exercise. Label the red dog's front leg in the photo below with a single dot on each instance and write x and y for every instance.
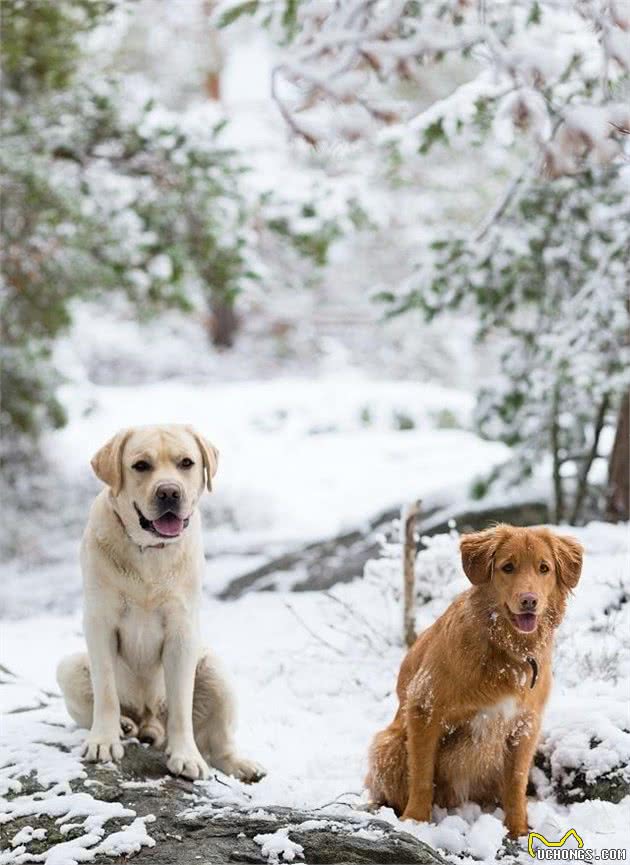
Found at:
(516, 773)
(423, 736)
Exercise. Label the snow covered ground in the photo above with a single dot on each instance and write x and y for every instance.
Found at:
(315, 680)
(301, 459)
(324, 416)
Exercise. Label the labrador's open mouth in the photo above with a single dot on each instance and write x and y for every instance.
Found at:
(524, 622)
(169, 525)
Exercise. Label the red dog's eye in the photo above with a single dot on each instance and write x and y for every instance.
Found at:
(507, 568)
(544, 568)
(186, 463)
(141, 466)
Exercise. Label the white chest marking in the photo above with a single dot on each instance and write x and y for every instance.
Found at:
(503, 711)
(141, 635)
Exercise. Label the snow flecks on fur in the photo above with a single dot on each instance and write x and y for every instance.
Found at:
(420, 693)
(503, 711)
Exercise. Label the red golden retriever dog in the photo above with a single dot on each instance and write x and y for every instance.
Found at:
(473, 686)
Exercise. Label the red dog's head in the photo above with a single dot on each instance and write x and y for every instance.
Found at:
(527, 570)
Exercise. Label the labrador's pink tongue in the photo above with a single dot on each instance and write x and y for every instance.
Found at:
(169, 525)
(526, 621)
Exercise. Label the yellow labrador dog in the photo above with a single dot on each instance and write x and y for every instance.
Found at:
(146, 672)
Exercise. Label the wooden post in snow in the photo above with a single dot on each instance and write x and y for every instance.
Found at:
(408, 517)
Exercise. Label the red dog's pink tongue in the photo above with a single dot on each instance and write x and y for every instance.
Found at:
(169, 525)
(526, 621)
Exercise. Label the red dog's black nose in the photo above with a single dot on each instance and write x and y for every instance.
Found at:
(166, 493)
(528, 602)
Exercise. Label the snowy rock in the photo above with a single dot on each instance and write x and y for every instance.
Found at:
(184, 822)
(325, 563)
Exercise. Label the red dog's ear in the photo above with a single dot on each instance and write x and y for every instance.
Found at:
(477, 552)
(568, 554)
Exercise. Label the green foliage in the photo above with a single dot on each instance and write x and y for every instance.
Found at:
(281, 16)
(29, 402)
(446, 419)
(40, 47)
(535, 13)
(548, 282)
(403, 421)
(100, 196)
(365, 416)
(546, 278)
(313, 243)
(66, 240)
(249, 7)
(433, 134)
(289, 18)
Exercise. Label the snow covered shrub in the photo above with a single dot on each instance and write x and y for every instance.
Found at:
(550, 284)
(553, 73)
(545, 271)
(94, 193)
(584, 751)
(104, 190)
(439, 579)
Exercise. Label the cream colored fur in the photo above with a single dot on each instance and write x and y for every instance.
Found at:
(146, 672)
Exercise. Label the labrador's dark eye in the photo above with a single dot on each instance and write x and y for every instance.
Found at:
(186, 463)
(142, 466)
(507, 568)
(544, 568)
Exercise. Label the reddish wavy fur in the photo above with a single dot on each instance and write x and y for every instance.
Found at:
(468, 719)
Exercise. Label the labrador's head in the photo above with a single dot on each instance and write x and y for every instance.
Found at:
(156, 475)
(526, 571)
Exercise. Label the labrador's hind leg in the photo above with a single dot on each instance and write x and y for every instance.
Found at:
(213, 722)
(73, 677)
(151, 730)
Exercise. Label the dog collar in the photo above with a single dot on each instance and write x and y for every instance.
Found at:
(534, 665)
(140, 547)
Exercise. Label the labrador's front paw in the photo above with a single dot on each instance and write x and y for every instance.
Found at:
(99, 748)
(187, 761)
(245, 770)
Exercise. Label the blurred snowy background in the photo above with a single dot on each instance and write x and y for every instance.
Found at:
(374, 252)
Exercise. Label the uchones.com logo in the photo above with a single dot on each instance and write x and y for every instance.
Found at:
(542, 848)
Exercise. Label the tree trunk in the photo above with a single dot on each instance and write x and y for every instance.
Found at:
(558, 488)
(587, 463)
(618, 501)
(215, 59)
(224, 322)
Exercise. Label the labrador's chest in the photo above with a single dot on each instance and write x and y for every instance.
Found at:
(140, 635)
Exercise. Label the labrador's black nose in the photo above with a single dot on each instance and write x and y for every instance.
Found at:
(168, 494)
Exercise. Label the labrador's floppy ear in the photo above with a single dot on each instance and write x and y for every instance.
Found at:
(107, 462)
(210, 456)
(477, 551)
(568, 554)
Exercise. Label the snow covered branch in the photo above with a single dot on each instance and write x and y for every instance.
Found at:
(546, 69)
